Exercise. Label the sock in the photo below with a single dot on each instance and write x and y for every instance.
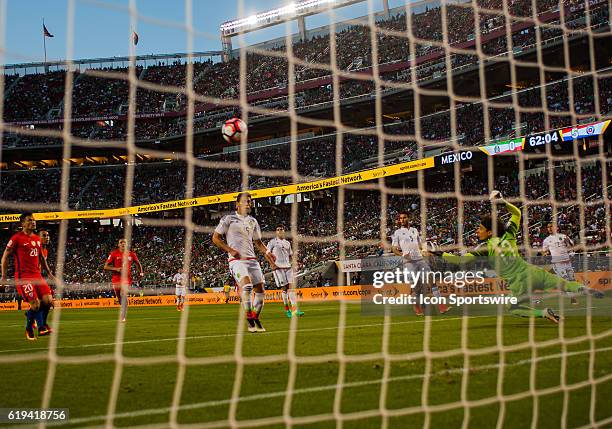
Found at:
(39, 318)
(285, 299)
(124, 305)
(293, 299)
(29, 318)
(45, 312)
(246, 299)
(258, 302)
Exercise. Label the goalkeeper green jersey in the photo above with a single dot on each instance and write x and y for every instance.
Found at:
(502, 252)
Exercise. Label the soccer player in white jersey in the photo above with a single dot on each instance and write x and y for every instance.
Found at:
(280, 250)
(241, 231)
(556, 245)
(180, 288)
(406, 242)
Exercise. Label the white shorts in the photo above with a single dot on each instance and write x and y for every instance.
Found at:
(283, 276)
(565, 270)
(180, 291)
(246, 267)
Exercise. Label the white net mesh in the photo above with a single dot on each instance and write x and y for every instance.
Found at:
(421, 80)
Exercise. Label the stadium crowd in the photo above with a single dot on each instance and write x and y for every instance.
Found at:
(94, 96)
(160, 249)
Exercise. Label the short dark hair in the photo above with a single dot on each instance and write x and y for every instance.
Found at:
(240, 195)
(487, 222)
(40, 231)
(23, 216)
(280, 225)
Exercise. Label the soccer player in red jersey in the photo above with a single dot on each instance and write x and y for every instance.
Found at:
(25, 246)
(122, 281)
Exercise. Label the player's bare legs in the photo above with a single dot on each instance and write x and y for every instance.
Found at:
(246, 290)
(258, 304)
(292, 298)
(45, 305)
(31, 315)
(121, 295)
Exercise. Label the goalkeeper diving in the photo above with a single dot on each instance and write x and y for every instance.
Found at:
(500, 248)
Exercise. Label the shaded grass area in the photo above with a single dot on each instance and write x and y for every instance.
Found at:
(349, 376)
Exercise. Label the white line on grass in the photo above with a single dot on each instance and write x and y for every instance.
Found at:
(114, 319)
(200, 337)
(278, 394)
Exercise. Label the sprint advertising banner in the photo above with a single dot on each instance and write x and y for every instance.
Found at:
(601, 280)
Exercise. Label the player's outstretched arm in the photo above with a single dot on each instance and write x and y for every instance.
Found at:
(515, 212)
(496, 196)
(7, 253)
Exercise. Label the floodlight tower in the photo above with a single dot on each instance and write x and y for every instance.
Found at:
(297, 10)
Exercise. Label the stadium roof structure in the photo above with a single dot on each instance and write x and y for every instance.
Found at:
(290, 12)
(63, 65)
(297, 10)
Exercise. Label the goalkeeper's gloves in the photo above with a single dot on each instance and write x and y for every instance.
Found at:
(496, 196)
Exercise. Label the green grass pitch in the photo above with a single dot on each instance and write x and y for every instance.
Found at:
(146, 391)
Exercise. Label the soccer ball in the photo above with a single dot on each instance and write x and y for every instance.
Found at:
(232, 129)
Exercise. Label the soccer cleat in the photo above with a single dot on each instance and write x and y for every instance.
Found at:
(251, 323)
(289, 313)
(298, 313)
(43, 332)
(123, 320)
(443, 308)
(551, 315)
(48, 328)
(258, 326)
(573, 300)
(30, 334)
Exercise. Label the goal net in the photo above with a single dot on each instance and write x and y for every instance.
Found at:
(390, 111)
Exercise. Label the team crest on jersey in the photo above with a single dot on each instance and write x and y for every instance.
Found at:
(33, 243)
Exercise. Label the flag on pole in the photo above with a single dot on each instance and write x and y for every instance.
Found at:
(135, 38)
(46, 32)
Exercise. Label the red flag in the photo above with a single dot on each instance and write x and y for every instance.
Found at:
(46, 32)
(135, 38)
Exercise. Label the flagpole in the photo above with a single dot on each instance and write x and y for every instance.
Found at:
(45, 44)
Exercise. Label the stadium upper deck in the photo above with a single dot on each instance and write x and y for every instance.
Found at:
(100, 101)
